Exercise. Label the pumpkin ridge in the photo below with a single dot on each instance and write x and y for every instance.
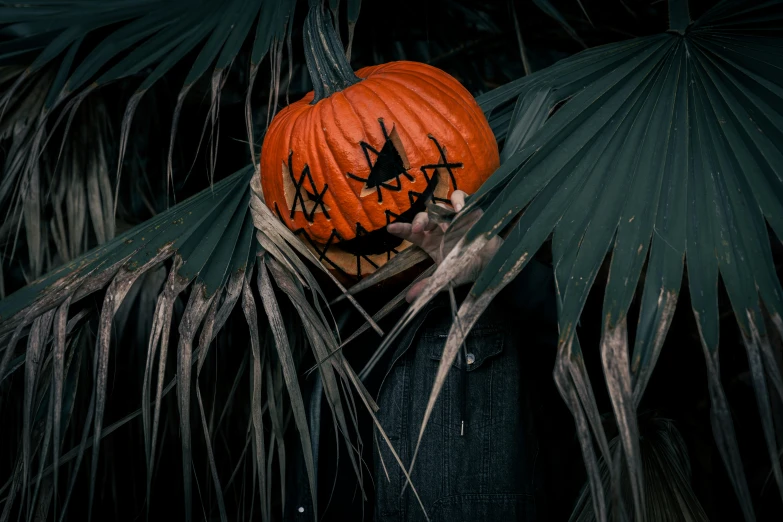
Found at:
(299, 162)
(466, 99)
(410, 113)
(423, 94)
(453, 89)
(343, 179)
(368, 71)
(460, 150)
(390, 67)
(401, 198)
(274, 165)
(396, 196)
(313, 126)
(474, 114)
(349, 103)
(437, 114)
(421, 127)
(281, 150)
(371, 70)
(428, 100)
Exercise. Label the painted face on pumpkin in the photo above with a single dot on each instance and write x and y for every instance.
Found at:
(338, 171)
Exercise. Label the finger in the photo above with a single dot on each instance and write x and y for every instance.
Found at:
(416, 289)
(458, 199)
(401, 230)
(430, 225)
(404, 231)
(420, 222)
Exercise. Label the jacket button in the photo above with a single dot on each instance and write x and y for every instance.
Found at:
(471, 358)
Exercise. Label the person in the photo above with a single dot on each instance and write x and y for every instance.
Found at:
(477, 459)
(479, 455)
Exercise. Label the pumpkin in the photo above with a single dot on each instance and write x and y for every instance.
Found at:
(367, 149)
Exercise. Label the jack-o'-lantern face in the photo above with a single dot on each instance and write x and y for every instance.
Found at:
(338, 171)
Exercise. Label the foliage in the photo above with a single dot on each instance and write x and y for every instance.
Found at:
(703, 102)
(663, 151)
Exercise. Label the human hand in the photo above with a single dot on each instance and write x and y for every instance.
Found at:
(431, 237)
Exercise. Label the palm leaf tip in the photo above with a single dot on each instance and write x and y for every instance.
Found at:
(667, 475)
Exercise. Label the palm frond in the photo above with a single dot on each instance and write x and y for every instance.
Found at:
(56, 54)
(665, 150)
(210, 239)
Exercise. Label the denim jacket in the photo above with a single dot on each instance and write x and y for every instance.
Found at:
(478, 452)
(478, 455)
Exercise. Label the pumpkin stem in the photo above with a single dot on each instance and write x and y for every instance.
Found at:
(326, 61)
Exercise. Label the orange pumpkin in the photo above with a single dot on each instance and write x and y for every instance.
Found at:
(366, 149)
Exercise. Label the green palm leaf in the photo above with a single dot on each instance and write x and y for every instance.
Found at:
(664, 149)
(213, 243)
(51, 70)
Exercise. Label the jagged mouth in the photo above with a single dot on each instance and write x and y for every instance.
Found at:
(380, 241)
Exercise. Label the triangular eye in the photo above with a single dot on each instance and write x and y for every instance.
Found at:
(394, 137)
(386, 165)
(391, 162)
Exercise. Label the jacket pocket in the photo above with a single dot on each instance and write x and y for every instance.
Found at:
(481, 344)
(470, 398)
